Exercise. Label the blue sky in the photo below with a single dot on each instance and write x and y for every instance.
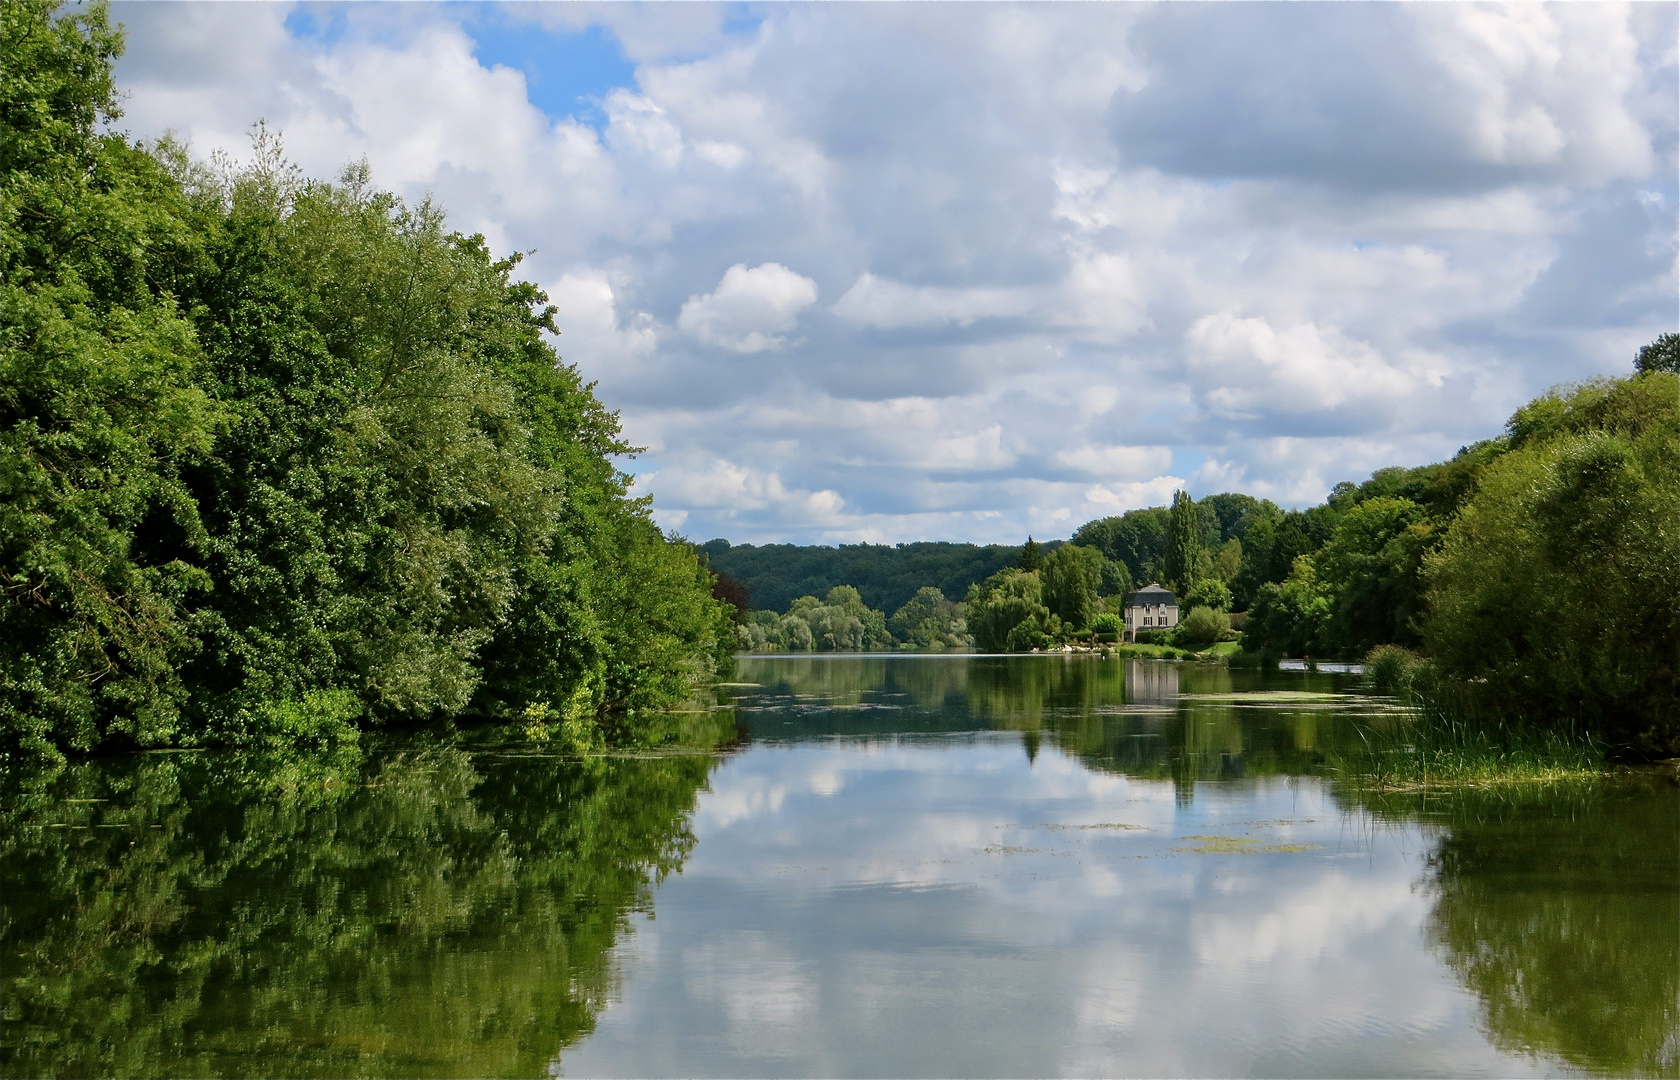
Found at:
(893, 272)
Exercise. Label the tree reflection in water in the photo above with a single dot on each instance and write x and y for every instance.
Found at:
(1559, 908)
(427, 911)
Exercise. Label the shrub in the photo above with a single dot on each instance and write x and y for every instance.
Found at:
(1208, 592)
(1204, 626)
(1390, 669)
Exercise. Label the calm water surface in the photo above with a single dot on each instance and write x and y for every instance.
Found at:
(907, 866)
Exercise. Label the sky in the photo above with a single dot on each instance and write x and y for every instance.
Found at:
(901, 271)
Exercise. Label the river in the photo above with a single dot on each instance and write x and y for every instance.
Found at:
(869, 866)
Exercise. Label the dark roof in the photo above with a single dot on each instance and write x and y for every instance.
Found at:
(1151, 594)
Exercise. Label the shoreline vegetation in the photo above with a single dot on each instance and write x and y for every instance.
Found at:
(286, 459)
(1523, 597)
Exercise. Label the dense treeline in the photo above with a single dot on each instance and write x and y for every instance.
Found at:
(1538, 572)
(886, 576)
(1533, 578)
(283, 456)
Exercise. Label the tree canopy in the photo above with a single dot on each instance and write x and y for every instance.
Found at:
(281, 456)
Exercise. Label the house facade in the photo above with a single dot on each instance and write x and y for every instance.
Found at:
(1150, 608)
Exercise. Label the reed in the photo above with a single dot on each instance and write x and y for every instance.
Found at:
(1455, 737)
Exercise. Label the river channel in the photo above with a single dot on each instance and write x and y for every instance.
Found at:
(863, 866)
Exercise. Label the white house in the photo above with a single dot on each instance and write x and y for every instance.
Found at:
(1150, 608)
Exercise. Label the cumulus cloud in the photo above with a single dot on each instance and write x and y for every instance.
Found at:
(1119, 462)
(728, 487)
(1375, 97)
(891, 305)
(1246, 369)
(1070, 257)
(750, 310)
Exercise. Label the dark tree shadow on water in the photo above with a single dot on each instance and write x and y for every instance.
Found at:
(418, 910)
(1558, 907)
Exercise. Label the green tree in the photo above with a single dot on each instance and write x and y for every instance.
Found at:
(100, 413)
(1135, 538)
(1556, 593)
(1204, 625)
(279, 454)
(1032, 557)
(1183, 543)
(1072, 580)
(1210, 593)
(1288, 618)
(1662, 354)
(1372, 571)
(1002, 603)
(1228, 561)
(839, 623)
(928, 620)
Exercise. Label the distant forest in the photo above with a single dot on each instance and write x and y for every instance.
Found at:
(1465, 576)
(887, 576)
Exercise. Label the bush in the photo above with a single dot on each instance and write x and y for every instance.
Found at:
(1556, 594)
(1390, 669)
(1204, 626)
(1208, 592)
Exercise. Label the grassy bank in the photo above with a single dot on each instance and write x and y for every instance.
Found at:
(1454, 739)
(1425, 752)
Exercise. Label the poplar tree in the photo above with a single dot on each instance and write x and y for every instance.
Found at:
(1183, 542)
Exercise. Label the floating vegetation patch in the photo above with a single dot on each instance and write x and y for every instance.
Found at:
(1240, 845)
(1274, 697)
(1099, 825)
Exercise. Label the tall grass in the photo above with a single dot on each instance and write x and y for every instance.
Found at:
(1454, 737)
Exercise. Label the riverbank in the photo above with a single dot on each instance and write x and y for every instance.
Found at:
(1430, 751)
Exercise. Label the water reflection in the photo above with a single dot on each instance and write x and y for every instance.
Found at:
(421, 910)
(907, 866)
(1560, 909)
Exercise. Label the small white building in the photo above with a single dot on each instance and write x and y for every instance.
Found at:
(1150, 608)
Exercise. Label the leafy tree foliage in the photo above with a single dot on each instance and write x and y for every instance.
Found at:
(1116, 581)
(774, 575)
(841, 622)
(1557, 591)
(1204, 625)
(1032, 557)
(100, 407)
(1183, 548)
(1662, 354)
(1073, 577)
(1371, 572)
(930, 621)
(1135, 539)
(280, 455)
(1209, 593)
(1006, 612)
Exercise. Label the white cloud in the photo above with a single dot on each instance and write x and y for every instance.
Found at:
(726, 486)
(587, 307)
(1119, 462)
(1246, 368)
(751, 310)
(1104, 500)
(891, 305)
(1075, 252)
